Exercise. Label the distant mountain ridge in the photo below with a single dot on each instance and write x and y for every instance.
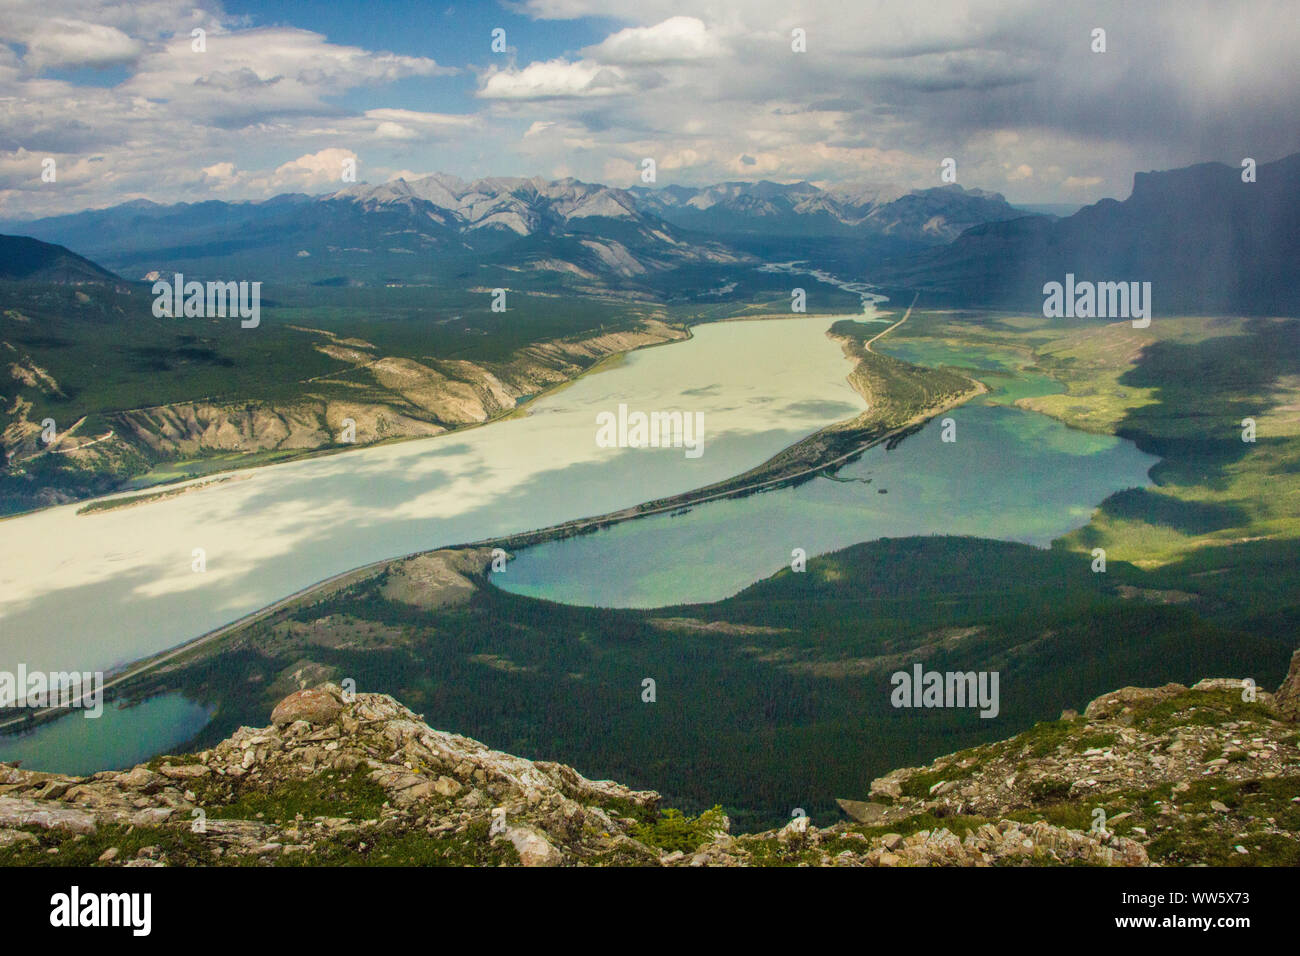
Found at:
(1206, 240)
(419, 230)
(929, 216)
(26, 259)
(406, 230)
(522, 206)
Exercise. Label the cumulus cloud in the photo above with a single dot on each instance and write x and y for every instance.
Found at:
(711, 90)
(80, 33)
(71, 43)
(554, 79)
(314, 170)
(220, 173)
(675, 40)
(264, 72)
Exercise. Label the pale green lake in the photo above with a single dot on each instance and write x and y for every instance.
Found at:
(1011, 474)
(94, 592)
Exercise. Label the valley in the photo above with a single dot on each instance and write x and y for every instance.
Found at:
(1189, 589)
(547, 433)
(293, 524)
(884, 487)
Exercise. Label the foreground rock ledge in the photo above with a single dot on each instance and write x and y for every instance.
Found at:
(342, 778)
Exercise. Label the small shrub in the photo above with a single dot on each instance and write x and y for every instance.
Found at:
(673, 830)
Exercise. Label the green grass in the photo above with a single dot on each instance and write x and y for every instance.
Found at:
(74, 849)
(331, 793)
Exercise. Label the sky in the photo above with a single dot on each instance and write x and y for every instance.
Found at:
(283, 94)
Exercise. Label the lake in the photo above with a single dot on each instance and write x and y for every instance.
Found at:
(97, 591)
(117, 739)
(90, 592)
(1011, 474)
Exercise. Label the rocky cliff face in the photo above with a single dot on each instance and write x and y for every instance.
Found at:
(419, 399)
(384, 397)
(1169, 775)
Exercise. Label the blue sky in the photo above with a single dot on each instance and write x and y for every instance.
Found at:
(453, 34)
(285, 95)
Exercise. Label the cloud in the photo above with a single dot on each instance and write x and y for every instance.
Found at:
(398, 124)
(675, 40)
(1081, 182)
(72, 43)
(88, 33)
(554, 79)
(1010, 88)
(220, 173)
(265, 72)
(315, 170)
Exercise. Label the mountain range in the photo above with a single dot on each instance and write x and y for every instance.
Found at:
(1206, 239)
(928, 216)
(438, 226)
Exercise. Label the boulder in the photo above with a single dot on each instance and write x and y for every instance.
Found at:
(533, 847)
(862, 811)
(316, 706)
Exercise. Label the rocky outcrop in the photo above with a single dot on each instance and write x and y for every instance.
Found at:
(388, 788)
(437, 579)
(1169, 774)
(391, 789)
(1219, 760)
(1288, 695)
(997, 843)
(382, 397)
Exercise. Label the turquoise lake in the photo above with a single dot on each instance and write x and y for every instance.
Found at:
(1011, 474)
(117, 739)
